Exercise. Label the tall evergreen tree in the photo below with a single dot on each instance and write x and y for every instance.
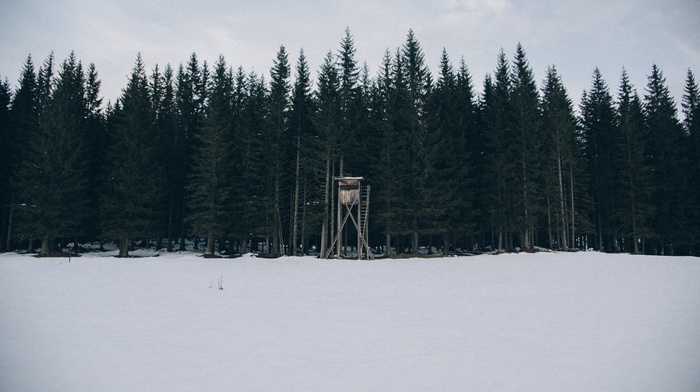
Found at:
(497, 164)
(52, 178)
(133, 187)
(350, 99)
(597, 131)
(418, 85)
(190, 98)
(691, 122)
(527, 149)
(255, 198)
(327, 121)
(24, 121)
(561, 166)
(95, 135)
(303, 135)
(208, 188)
(169, 151)
(632, 176)
(448, 158)
(5, 163)
(664, 146)
(389, 93)
(278, 147)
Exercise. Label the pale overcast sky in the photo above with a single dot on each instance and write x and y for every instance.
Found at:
(575, 36)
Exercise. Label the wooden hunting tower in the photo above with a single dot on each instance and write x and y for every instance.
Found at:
(353, 203)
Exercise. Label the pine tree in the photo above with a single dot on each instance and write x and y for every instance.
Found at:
(208, 188)
(133, 187)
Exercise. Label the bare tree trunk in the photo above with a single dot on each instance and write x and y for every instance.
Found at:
(124, 247)
(303, 222)
(209, 250)
(45, 247)
(564, 244)
(8, 245)
(326, 206)
(295, 214)
(573, 222)
(387, 252)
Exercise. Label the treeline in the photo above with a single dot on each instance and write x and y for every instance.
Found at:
(213, 152)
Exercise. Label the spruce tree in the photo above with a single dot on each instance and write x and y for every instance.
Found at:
(190, 98)
(597, 127)
(447, 156)
(24, 121)
(133, 187)
(52, 178)
(632, 176)
(278, 146)
(208, 189)
(664, 145)
(691, 123)
(526, 147)
(95, 135)
(302, 134)
(389, 91)
(255, 200)
(418, 85)
(327, 121)
(561, 165)
(350, 99)
(5, 163)
(170, 150)
(497, 165)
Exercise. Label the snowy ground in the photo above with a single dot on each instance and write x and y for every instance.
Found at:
(526, 322)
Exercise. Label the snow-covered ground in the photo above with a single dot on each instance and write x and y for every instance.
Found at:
(520, 322)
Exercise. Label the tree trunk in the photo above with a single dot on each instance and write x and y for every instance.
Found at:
(209, 251)
(45, 248)
(295, 207)
(171, 223)
(387, 252)
(326, 206)
(414, 243)
(124, 247)
(573, 222)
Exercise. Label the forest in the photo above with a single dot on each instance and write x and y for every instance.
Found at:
(217, 154)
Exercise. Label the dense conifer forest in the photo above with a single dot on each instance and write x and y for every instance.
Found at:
(212, 152)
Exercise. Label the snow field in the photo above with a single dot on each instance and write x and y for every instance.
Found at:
(520, 322)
